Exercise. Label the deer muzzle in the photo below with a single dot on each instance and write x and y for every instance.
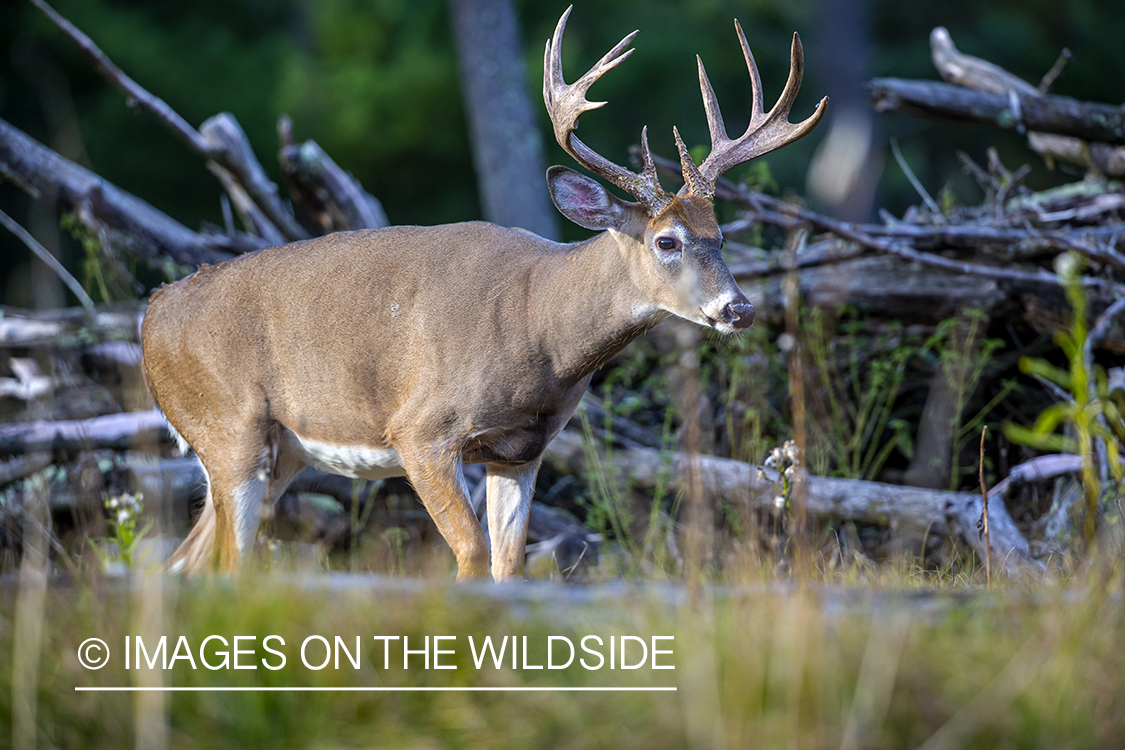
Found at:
(739, 314)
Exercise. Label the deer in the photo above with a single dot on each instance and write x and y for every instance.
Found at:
(418, 350)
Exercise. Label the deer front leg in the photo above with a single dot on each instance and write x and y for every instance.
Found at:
(435, 472)
(509, 500)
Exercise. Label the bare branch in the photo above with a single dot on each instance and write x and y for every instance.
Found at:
(142, 230)
(1103, 325)
(1048, 114)
(44, 255)
(219, 139)
(1037, 469)
(237, 156)
(134, 92)
(893, 239)
(331, 196)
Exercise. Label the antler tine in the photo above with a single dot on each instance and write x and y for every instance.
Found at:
(711, 106)
(694, 182)
(756, 98)
(567, 101)
(766, 131)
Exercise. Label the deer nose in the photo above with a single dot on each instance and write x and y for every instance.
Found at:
(739, 314)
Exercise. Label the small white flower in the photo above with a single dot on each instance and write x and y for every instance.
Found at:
(790, 472)
(779, 502)
(1065, 265)
(123, 516)
(112, 503)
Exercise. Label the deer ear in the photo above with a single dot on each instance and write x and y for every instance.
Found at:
(583, 200)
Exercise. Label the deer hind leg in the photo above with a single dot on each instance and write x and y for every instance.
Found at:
(242, 484)
(436, 474)
(239, 480)
(285, 462)
(509, 501)
(240, 469)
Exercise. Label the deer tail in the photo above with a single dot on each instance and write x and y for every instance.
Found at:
(194, 555)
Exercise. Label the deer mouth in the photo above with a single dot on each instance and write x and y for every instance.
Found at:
(716, 324)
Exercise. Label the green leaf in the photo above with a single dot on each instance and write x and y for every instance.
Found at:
(1023, 436)
(1052, 416)
(1044, 369)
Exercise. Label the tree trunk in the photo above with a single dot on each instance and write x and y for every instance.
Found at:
(507, 146)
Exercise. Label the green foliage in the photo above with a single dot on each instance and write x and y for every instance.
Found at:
(396, 538)
(963, 353)
(359, 521)
(763, 666)
(610, 509)
(1091, 412)
(122, 514)
(856, 394)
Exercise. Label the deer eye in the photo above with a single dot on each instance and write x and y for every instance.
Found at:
(668, 244)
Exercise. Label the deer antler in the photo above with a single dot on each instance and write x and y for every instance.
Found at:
(567, 101)
(766, 131)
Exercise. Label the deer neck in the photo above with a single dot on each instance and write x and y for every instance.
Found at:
(599, 301)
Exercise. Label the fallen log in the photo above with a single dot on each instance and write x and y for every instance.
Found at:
(68, 326)
(182, 482)
(1060, 115)
(975, 73)
(953, 514)
(129, 223)
(330, 196)
(118, 431)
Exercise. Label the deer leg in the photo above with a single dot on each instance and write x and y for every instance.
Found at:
(285, 463)
(437, 477)
(239, 480)
(509, 500)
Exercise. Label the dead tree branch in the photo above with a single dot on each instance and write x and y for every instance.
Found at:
(1043, 467)
(219, 139)
(775, 211)
(333, 198)
(724, 480)
(131, 224)
(45, 256)
(974, 73)
(1059, 115)
(29, 328)
(118, 431)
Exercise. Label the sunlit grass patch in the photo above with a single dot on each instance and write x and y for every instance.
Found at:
(756, 665)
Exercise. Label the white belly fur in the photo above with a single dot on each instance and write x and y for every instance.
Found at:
(357, 461)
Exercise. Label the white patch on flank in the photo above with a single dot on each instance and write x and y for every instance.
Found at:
(356, 461)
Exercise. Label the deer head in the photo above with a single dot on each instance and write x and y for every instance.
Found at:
(673, 238)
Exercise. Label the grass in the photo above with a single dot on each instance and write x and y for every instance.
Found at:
(1027, 665)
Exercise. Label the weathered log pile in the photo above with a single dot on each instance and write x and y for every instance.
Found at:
(73, 407)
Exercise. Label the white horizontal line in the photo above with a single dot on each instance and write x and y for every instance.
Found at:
(227, 689)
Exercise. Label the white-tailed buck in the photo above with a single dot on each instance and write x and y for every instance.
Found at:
(416, 350)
